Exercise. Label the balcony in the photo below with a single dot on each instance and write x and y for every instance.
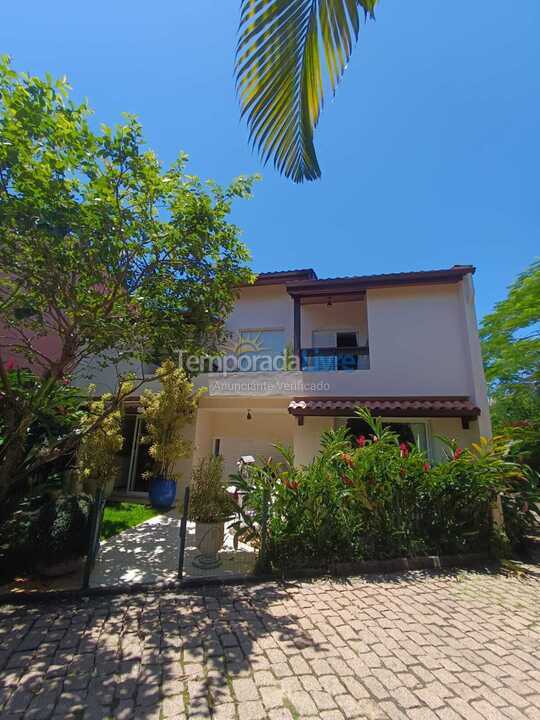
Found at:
(330, 359)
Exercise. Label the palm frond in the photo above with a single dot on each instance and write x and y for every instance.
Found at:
(279, 78)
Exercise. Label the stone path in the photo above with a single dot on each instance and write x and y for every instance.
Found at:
(148, 553)
(420, 646)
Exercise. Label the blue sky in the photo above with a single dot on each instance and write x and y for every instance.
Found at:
(430, 151)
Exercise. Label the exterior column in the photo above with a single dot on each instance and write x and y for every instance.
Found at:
(199, 433)
(297, 331)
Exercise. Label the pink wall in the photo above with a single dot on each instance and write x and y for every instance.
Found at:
(48, 345)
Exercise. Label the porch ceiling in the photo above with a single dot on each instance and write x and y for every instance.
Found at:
(444, 406)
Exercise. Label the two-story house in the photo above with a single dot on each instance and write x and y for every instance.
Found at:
(305, 352)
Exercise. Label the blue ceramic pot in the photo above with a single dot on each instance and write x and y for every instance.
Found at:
(162, 492)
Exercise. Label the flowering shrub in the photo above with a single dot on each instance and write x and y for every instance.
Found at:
(379, 498)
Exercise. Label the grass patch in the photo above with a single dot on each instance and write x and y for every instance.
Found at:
(121, 516)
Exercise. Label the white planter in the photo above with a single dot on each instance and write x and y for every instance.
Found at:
(209, 541)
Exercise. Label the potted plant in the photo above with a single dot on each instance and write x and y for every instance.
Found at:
(210, 506)
(166, 413)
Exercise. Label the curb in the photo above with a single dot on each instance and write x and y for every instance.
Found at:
(352, 569)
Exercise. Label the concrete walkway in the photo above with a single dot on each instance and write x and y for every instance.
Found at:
(148, 553)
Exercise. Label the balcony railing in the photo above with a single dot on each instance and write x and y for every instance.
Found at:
(332, 359)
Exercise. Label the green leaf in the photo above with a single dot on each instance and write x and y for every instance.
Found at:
(279, 78)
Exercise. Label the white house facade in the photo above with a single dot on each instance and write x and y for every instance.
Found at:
(405, 345)
(305, 352)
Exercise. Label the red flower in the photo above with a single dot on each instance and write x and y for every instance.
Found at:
(361, 440)
(291, 484)
(458, 453)
(427, 467)
(404, 450)
(346, 480)
(10, 364)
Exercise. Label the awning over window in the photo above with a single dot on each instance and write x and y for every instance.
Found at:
(386, 406)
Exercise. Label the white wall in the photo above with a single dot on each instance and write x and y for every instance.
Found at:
(338, 316)
(418, 337)
(263, 307)
(417, 344)
(451, 428)
(479, 389)
(240, 436)
(307, 438)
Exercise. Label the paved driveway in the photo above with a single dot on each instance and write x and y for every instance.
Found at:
(420, 646)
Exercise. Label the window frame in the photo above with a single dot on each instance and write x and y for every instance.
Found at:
(278, 329)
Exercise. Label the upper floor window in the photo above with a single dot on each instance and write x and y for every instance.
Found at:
(259, 350)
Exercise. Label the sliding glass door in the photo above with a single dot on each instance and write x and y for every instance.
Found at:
(135, 460)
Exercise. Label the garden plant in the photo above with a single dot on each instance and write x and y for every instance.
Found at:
(372, 497)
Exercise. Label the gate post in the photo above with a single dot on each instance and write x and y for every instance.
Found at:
(183, 529)
(93, 541)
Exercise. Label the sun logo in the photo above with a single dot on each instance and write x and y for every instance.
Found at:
(240, 343)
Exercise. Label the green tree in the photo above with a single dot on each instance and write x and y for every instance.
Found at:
(103, 249)
(286, 49)
(511, 347)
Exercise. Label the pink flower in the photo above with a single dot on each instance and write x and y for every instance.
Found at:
(458, 453)
(404, 450)
(10, 364)
(361, 440)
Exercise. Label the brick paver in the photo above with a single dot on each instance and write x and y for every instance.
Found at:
(462, 646)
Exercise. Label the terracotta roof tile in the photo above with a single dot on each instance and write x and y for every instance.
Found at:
(385, 406)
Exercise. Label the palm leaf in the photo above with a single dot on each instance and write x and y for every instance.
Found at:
(279, 78)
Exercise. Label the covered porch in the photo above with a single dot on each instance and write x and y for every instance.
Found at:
(416, 419)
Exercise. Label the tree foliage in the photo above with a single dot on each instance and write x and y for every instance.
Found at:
(166, 414)
(511, 348)
(286, 51)
(511, 335)
(103, 249)
(97, 463)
